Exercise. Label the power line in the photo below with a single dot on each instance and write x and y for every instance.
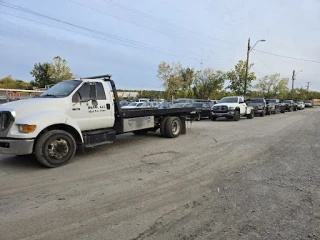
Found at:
(163, 21)
(263, 62)
(108, 40)
(134, 23)
(294, 58)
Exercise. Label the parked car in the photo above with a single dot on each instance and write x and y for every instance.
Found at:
(133, 105)
(181, 105)
(301, 105)
(259, 106)
(277, 105)
(290, 105)
(123, 103)
(202, 110)
(183, 100)
(149, 105)
(308, 103)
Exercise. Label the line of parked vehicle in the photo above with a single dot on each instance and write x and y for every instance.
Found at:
(233, 107)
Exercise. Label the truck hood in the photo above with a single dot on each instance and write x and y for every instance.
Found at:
(255, 104)
(226, 104)
(26, 106)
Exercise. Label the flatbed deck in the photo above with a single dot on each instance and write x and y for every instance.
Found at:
(143, 112)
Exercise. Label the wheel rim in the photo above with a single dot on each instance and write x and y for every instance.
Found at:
(175, 127)
(57, 149)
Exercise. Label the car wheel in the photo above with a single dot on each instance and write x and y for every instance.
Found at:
(263, 113)
(55, 148)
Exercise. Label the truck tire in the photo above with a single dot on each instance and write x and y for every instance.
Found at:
(55, 148)
(213, 118)
(163, 126)
(173, 127)
(236, 116)
(251, 115)
(263, 113)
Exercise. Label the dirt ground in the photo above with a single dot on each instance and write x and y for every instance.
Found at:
(252, 179)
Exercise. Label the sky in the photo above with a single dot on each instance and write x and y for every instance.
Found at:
(129, 38)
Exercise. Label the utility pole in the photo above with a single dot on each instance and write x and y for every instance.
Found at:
(293, 78)
(247, 66)
(308, 89)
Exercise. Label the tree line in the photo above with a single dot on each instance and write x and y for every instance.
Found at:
(179, 81)
(187, 82)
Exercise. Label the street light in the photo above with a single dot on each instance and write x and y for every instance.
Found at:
(247, 63)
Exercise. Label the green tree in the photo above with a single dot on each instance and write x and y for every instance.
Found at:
(41, 74)
(281, 90)
(8, 82)
(237, 75)
(188, 76)
(171, 77)
(267, 84)
(59, 70)
(208, 82)
(50, 73)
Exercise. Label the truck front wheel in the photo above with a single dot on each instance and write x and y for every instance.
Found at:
(55, 148)
(236, 116)
(173, 127)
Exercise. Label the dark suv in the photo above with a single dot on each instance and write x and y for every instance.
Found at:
(276, 105)
(203, 110)
(290, 105)
(259, 105)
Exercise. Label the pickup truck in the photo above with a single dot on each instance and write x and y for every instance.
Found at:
(290, 105)
(259, 105)
(232, 108)
(276, 105)
(78, 113)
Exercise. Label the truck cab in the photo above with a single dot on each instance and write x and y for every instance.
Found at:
(232, 108)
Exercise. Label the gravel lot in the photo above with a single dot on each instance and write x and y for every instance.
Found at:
(252, 179)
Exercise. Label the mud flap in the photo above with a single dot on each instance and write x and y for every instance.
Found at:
(183, 125)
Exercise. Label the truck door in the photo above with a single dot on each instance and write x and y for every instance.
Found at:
(243, 105)
(92, 114)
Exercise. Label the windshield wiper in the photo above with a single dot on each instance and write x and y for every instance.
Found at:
(49, 95)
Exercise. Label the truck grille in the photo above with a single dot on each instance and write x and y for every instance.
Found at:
(220, 108)
(4, 120)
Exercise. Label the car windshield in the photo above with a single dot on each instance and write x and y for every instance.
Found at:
(133, 104)
(62, 89)
(255, 100)
(178, 105)
(229, 100)
(197, 105)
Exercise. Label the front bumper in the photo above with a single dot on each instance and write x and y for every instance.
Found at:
(16, 146)
(256, 111)
(223, 114)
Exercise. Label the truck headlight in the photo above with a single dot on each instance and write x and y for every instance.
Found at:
(25, 128)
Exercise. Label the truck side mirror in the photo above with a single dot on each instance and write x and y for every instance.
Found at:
(92, 91)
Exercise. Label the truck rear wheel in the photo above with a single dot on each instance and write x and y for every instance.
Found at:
(173, 127)
(236, 116)
(55, 148)
(163, 126)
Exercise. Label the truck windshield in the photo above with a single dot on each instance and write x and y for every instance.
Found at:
(62, 89)
(229, 100)
(255, 100)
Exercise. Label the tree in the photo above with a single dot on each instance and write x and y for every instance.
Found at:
(188, 76)
(41, 74)
(207, 82)
(8, 82)
(50, 73)
(268, 84)
(237, 77)
(171, 77)
(59, 70)
(281, 89)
